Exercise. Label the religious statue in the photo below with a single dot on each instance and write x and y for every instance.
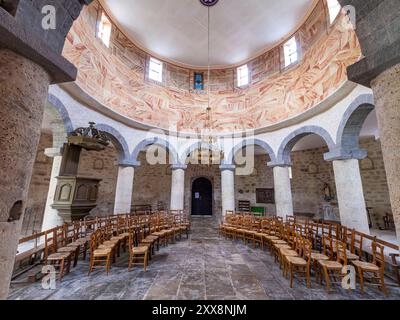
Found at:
(327, 193)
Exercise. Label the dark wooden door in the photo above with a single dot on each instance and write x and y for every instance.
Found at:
(202, 199)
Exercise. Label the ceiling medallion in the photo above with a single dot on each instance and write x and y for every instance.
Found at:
(209, 3)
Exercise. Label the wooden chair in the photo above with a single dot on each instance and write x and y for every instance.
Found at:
(376, 268)
(61, 261)
(300, 264)
(137, 255)
(99, 257)
(332, 268)
(66, 242)
(291, 249)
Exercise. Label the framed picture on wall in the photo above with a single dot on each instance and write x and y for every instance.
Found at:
(265, 195)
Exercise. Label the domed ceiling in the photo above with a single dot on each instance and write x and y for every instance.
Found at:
(176, 30)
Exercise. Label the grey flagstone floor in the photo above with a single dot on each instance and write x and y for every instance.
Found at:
(206, 266)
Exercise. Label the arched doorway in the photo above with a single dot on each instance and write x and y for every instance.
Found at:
(202, 200)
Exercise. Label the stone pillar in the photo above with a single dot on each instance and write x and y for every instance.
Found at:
(283, 192)
(23, 92)
(386, 89)
(228, 188)
(353, 212)
(51, 218)
(177, 187)
(123, 193)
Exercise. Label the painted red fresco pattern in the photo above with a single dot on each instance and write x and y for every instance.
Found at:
(115, 76)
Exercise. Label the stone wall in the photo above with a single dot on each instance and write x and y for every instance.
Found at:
(307, 188)
(262, 177)
(374, 180)
(152, 184)
(310, 172)
(38, 187)
(213, 174)
(101, 164)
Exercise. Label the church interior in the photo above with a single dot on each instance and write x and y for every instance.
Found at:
(199, 150)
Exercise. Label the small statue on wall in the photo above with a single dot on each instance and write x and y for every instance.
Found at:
(327, 192)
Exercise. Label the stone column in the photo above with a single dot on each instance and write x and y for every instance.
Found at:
(124, 188)
(353, 212)
(283, 192)
(51, 218)
(177, 187)
(23, 92)
(386, 89)
(228, 188)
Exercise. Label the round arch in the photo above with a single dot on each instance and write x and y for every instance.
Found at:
(63, 112)
(250, 142)
(294, 137)
(352, 122)
(159, 142)
(117, 139)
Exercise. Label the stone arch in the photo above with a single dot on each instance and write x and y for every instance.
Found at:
(60, 122)
(155, 141)
(347, 141)
(117, 139)
(62, 110)
(283, 157)
(195, 146)
(250, 142)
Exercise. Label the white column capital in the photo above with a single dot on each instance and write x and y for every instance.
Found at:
(53, 152)
(230, 167)
(128, 163)
(178, 167)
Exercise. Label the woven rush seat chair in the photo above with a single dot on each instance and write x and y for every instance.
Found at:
(376, 268)
(100, 255)
(334, 267)
(138, 255)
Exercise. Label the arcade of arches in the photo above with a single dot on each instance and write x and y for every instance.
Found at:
(207, 174)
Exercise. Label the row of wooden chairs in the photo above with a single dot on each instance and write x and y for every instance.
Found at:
(299, 248)
(143, 236)
(106, 236)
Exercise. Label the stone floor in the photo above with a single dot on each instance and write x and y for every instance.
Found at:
(203, 267)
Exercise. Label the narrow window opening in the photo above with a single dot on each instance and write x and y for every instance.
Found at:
(243, 76)
(155, 70)
(291, 51)
(104, 29)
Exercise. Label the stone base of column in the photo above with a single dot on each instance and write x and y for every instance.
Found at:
(10, 232)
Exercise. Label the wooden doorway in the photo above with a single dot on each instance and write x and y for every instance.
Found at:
(202, 197)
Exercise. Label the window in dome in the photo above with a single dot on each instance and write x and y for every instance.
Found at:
(198, 81)
(243, 76)
(334, 9)
(290, 51)
(104, 28)
(155, 70)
